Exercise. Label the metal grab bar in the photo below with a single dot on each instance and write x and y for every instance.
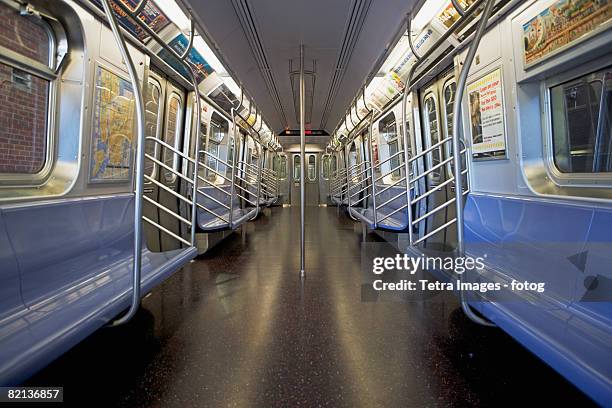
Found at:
(434, 168)
(216, 158)
(360, 191)
(213, 199)
(170, 169)
(390, 186)
(167, 231)
(140, 151)
(431, 148)
(167, 211)
(393, 170)
(213, 185)
(215, 172)
(172, 148)
(403, 207)
(380, 163)
(391, 199)
(213, 213)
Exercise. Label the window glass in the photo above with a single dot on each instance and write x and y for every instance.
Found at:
(312, 167)
(24, 97)
(23, 35)
(581, 123)
(152, 108)
(23, 121)
(216, 132)
(296, 168)
(171, 135)
(431, 113)
(230, 157)
(389, 131)
(395, 161)
(334, 163)
(449, 100)
(279, 164)
(325, 166)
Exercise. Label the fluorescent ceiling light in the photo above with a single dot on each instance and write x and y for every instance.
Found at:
(427, 13)
(174, 13)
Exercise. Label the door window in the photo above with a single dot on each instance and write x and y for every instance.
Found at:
(312, 167)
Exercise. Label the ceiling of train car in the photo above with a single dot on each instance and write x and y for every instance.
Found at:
(260, 39)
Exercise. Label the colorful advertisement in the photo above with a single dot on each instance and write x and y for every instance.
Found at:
(449, 16)
(486, 108)
(179, 44)
(113, 129)
(562, 24)
(150, 15)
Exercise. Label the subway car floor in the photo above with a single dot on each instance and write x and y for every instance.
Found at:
(238, 328)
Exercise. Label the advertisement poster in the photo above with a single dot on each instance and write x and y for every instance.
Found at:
(150, 15)
(448, 16)
(179, 44)
(486, 108)
(113, 128)
(562, 24)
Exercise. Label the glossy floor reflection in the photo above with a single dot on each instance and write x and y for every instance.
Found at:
(237, 327)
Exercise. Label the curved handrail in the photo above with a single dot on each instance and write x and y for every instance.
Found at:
(140, 156)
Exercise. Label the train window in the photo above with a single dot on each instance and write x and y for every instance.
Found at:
(449, 100)
(431, 128)
(279, 165)
(334, 163)
(325, 166)
(388, 130)
(217, 134)
(312, 167)
(25, 138)
(296, 168)
(152, 119)
(582, 123)
(173, 128)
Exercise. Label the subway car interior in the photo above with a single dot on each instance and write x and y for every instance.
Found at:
(254, 203)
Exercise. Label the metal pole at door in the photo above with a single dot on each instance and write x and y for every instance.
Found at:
(302, 162)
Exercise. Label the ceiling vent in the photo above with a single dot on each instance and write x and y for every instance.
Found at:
(359, 11)
(247, 21)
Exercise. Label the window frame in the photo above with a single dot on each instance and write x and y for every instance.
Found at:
(562, 179)
(153, 81)
(47, 73)
(282, 162)
(326, 158)
(293, 167)
(178, 131)
(315, 167)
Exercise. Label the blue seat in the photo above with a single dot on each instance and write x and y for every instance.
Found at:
(398, 222)
(73, 261)
(211, 199)
(566, 246)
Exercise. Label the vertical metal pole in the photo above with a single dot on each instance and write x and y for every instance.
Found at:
(372, 172)
(461, 83)
(233, 180)
(140, 156)
(407, 164)
(302, 162)
(196, 164)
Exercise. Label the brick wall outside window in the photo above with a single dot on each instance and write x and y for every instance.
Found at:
(23, 97)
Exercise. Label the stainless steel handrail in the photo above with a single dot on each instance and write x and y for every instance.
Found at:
(140, 150)
(389, 186)
(461, 84)
(216, 158)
